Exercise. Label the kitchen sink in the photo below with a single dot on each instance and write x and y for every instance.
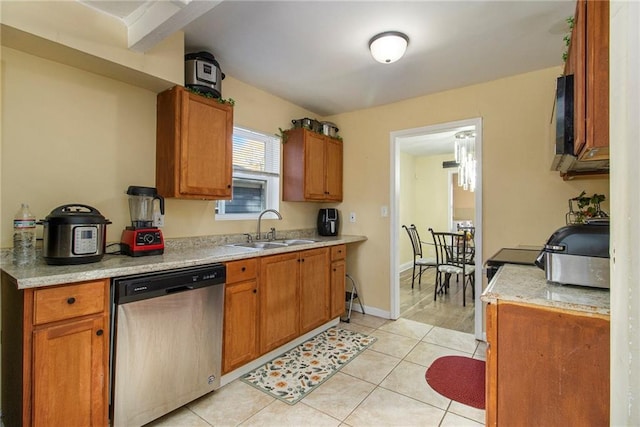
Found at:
(261, 245)
(291, 242)
(273, 244)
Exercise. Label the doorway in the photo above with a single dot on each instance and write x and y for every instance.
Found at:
(428, 138)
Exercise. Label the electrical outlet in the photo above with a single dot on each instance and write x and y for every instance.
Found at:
(352, 217)
(158, 219)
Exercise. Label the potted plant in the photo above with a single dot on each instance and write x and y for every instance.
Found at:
(583, 207)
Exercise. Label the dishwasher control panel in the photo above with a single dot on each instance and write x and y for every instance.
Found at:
(152, 285)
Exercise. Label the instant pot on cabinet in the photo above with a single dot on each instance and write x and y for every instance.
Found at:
(74, 234)
(202, 72)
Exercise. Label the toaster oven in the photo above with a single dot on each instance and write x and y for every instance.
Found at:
(578, 254)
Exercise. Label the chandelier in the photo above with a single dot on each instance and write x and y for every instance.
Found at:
(465, 155)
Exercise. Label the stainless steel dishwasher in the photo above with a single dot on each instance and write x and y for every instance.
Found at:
(166, 341)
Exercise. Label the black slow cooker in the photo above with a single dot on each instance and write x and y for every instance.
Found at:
(74, 234)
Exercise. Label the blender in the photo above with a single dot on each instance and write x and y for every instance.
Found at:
(141, 237)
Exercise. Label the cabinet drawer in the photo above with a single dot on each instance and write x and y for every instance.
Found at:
(239, 271)
(66, 302)
(338, 252)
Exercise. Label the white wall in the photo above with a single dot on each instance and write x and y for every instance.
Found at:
(625, 224)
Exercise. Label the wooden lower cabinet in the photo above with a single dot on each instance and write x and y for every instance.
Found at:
(546, 367)
(294, 295)
(314, 289)
(272, 300)
(240, 344)
(338, 274)
(279, 296)
(55, 354)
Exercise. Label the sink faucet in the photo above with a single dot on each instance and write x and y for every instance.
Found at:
(258, 237)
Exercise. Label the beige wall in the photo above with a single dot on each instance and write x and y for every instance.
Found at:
(407, 206)
(51, 29)
(523, 201)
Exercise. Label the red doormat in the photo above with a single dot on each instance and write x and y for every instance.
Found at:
(458, 378)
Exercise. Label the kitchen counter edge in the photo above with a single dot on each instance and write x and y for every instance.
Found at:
(528, 285)
(42, 274)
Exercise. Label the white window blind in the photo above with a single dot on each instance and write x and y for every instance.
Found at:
(256, 175)
(255, 152)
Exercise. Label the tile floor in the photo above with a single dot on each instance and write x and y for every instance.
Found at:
(383, 386)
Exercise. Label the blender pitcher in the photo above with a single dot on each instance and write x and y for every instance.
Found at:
(141, 205)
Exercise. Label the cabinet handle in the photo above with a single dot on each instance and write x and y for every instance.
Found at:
(255, 291)
(71, 300)
(99, 332)
(244, 268)
(228, 185)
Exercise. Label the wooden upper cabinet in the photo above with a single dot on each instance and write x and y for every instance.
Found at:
(588, 61)
(334, 169)
(194, 146)
(312, 167)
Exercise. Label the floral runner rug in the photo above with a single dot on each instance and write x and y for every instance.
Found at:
(299, 371)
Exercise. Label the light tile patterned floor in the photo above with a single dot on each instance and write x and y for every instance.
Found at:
(383, 386)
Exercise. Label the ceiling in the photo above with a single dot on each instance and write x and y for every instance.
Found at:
(315, 53)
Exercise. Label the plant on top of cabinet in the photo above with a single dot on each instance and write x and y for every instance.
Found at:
(193, 146)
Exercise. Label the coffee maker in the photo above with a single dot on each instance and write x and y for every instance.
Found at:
(141, 237)
(328, 222)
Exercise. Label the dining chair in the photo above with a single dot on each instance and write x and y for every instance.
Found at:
(419, 262)
(454, 255)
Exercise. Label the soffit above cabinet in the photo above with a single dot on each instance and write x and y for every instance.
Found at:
(47, 30)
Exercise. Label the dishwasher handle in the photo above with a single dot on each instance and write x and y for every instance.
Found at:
(177, 289)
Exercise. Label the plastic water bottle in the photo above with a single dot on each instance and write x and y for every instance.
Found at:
(24, 237)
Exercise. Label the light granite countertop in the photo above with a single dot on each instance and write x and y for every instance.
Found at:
(527, 284)
(178, 253)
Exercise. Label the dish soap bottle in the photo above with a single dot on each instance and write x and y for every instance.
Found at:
(24, 237)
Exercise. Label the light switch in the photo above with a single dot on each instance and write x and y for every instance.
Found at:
(384, 211)
(352, 217)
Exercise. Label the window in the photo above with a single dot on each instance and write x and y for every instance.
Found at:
(256, 176)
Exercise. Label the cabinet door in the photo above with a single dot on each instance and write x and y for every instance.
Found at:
(597, 74)
(556, 373)
(240, 325)
(279, 300)
(334, 169)
(589, 62)
(314, 288)
(70, 366)
(314, 166)
(205, 147)
(576, 65)
(193, 146)
(338, 292)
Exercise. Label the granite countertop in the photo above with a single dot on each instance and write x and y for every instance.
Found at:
(177, 254)
(528, 284)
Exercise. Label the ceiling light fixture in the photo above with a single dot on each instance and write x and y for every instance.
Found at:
(389, 46)
(465, 154)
